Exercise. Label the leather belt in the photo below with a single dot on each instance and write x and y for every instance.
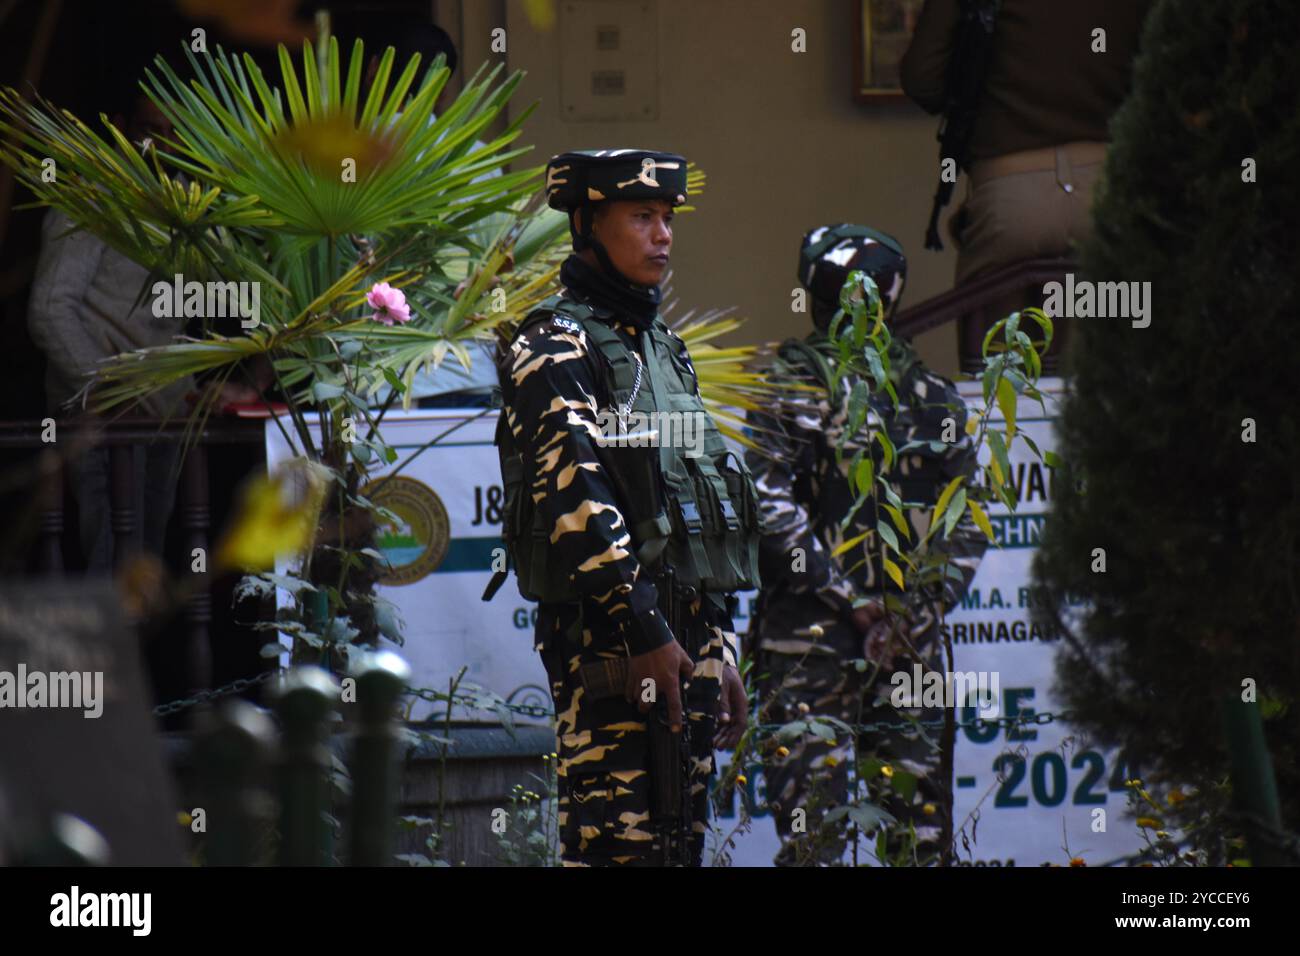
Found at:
(1060, 158)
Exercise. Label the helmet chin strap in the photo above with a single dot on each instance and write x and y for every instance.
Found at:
(586, 240)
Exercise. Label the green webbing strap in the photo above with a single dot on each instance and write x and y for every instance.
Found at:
(679, 481)
(652, 533)
(729, 517)
(615, 352)
(667, 460)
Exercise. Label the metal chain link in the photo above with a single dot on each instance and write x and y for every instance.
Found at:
(234, 687)
(243, 683)
(626, 410)
(440, 697)
(529, 710)
(979, 723)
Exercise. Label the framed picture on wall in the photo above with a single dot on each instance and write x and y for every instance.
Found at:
(882, 30)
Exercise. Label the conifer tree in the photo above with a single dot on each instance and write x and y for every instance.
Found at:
(1186, 434)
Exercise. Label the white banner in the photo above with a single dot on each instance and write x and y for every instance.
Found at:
(1034, 790)
(1040, 788)
(449, 499)
(1023, 794)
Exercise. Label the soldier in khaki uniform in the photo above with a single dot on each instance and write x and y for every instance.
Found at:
(819, 613)
(1057, 73)
(594, 516)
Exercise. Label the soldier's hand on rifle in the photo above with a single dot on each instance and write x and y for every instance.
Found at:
(891, 637)
(880, 645)
(667, 667)
(733, 711)
(867, 615)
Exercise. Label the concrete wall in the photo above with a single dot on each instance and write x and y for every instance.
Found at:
(784, 144)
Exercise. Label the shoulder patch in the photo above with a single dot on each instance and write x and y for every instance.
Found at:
(569, 325)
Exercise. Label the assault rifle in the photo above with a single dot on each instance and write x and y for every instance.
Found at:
(671, 816)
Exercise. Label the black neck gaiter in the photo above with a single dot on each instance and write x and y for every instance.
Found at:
(639, 303)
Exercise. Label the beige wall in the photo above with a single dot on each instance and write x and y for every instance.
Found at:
(784, 144)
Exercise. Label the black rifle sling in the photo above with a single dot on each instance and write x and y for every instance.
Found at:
(963, 86)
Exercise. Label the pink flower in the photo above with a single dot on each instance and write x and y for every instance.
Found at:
(389, 304)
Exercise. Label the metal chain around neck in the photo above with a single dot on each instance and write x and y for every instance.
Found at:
(626, 409)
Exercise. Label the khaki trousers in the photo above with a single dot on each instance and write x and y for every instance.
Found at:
(1035, 204)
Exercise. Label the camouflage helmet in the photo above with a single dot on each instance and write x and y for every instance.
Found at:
(829, 253)
(593, 175)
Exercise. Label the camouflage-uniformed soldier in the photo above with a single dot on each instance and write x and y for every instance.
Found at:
(590, 523)
(818, 613)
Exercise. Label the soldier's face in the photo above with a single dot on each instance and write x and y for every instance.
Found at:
(638, 236)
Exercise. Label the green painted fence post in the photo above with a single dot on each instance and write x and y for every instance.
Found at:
(67, 841)
(1254, 789)
(380, 678)
(303, 703)
(233, 753)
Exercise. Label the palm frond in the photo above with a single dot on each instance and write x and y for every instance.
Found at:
(317, 191)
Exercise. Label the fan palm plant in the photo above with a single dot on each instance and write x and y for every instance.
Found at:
(321, 192)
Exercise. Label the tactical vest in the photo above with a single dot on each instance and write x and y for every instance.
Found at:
(698, 514)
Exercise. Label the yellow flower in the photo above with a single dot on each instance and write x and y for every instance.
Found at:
(742, 779)
(324, 142)
(1078, 861)
(783, 751)
(929, 809)
(887, 770)
(1149, 823)
(1176, 797)
(832, 762)
(1162, 834)
(276, 516)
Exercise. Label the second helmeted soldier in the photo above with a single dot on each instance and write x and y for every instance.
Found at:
(818, 612)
